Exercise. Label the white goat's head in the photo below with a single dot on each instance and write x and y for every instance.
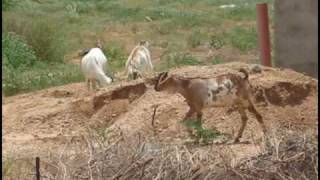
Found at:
(144, 43)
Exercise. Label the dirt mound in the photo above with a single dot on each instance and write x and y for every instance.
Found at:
(48, 119)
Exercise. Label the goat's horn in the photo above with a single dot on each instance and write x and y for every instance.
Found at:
(163, 77)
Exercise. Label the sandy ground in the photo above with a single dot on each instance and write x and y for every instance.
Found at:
(44, 121)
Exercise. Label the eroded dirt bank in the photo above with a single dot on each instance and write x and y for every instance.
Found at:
(46, 120)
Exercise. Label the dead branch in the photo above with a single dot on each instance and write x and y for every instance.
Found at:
(154, 114)
(134, 165)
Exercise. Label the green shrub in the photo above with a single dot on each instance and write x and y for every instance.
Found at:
(181, 59)
(116, 57)
(8, 4)
(217, 42)
(44, 34)
(41, 75)
(195, 39)
(217, 60)
(243, 39)
(15, 52)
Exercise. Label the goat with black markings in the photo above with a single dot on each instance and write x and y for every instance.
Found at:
(229, 90)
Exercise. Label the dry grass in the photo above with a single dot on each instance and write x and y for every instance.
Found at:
(289, 156)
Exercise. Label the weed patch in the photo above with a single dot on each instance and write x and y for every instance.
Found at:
(43, 34)
(202, 135)
(177, 59)
(41, 75)
(116, 57)
(16, 52)
(217, 60)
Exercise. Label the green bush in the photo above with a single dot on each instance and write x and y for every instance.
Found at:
(116, 57)
(243, 39)
(217, 42)
(41, 75)
(8, 4)
(181, 59)
(195, 39)
(15, 52)
(217, 60)
(44, 34)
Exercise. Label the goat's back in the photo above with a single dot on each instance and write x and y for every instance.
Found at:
(224, 90)
(93, 63)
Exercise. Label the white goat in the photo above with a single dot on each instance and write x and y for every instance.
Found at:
(138, 61)
(222, 91)
(93, 65)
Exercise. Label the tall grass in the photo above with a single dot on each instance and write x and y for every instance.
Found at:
(44, 34)
(54, 30)
(177, 59)
(41, 75)
(16, 52)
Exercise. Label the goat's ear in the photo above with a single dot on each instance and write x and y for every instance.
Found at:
(142, 42)
(99, 44)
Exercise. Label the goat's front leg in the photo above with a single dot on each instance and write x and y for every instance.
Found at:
(88, 84)
(94, 86)
(189, 113)
(199, 116)
(99, 84)
(244, 119)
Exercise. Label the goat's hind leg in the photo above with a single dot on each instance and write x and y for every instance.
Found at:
(94, 84)
(88, 84)
(258, 116)
(244, 119)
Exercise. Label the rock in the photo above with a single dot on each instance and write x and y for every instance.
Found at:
(256, 68)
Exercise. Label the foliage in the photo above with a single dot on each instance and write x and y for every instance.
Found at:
(44, 34)
(16, 52)
(116, 57)
(202, 135)
(8, 4)
(195, 39)
(217, 42)
(243, 39)
(41, 75)
(217, 60)
(178, 59)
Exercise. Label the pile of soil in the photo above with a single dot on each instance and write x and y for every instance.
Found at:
(42, 121)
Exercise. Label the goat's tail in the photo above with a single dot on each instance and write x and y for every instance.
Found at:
(246, 75)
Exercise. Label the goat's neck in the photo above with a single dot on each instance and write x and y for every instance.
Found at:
(181, 85)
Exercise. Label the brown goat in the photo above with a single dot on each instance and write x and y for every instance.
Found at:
(222, 91)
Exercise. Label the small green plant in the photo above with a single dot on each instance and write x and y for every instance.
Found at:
(41, 75)
(243, 39)
(7, 166)
(194, 39)
(116, 57)
(44, 34)
(217, 60)
(202, 135)
(216, 42)
(8, 4)
(181, 59)
(102, 132)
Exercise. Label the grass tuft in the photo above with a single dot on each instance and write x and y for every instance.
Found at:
(202, 135)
